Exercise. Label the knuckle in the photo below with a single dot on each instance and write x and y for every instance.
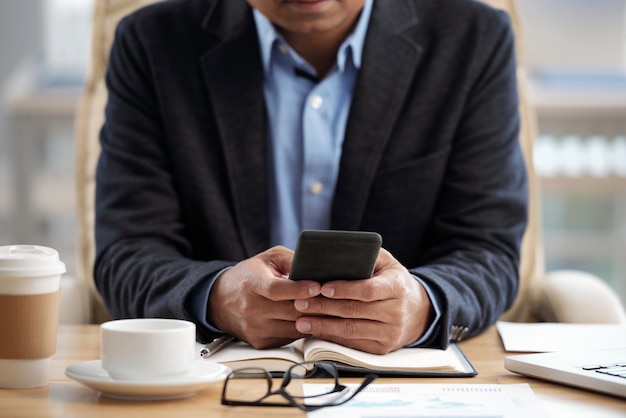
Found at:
(380, 349)
(371, 291)
(272, 291)
(350, 330)
(376, 290)
(350, 309)
(257, 342)
(393, 336)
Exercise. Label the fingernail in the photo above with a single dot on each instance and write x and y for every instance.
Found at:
(328, 291)
(314, 290)
(303, 326)
(302, 305)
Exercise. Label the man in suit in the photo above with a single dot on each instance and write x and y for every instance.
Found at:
(232, 125)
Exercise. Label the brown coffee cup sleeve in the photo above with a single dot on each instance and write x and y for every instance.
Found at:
(28, 325)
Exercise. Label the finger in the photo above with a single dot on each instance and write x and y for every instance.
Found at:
(390, 281)
(278, 259)
(368, 346)
(356, 333)
(381, 311)
(262, 323)
(367, 290)
(282, 289)
(265, 275)
(264, 310)
(385, 258)
(283, 332)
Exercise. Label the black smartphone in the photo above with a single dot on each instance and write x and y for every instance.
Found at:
(324, 255)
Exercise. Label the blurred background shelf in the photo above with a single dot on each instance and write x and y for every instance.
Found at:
(40, 121)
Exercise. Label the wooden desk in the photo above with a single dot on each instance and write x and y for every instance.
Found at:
(67, 398)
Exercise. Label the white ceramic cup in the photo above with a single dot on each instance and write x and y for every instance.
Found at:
(147, 348)
(30, 278)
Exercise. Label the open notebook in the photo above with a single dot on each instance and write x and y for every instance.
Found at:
(406, 361)
(600, 370)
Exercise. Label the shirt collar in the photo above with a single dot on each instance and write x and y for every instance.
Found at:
(268, 37)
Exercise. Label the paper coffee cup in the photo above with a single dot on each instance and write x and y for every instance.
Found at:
(30, 277)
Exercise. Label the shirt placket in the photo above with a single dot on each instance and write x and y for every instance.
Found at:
(318, 159)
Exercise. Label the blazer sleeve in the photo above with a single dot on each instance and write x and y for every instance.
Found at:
(474, 237)
(144, 263)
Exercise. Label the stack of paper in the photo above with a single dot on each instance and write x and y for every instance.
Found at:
(549, 337)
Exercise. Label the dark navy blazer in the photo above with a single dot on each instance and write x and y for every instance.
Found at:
(431, 158)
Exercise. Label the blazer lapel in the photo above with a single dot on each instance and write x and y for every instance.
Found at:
(390, 58)
(234, 83)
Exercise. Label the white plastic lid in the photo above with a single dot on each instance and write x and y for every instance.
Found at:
(29, 260)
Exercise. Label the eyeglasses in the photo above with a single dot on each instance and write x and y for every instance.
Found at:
(239, 392)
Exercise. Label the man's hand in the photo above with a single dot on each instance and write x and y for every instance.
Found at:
(253, 301)
(377, 315)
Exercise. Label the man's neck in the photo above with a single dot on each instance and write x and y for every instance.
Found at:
(318, 49)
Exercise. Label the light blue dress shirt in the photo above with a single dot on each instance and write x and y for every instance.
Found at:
(307, 122)
(307, 118)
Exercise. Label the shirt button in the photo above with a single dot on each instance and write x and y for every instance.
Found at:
(316, 101)
(316, 187)
(283, 48)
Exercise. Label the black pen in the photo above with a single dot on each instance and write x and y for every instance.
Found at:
(216, 345)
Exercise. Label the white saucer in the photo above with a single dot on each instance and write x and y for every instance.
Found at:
(92, 374)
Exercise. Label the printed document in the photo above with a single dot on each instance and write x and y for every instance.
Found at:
(404, 400)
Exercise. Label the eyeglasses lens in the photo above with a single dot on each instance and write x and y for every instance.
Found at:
(238, 386)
